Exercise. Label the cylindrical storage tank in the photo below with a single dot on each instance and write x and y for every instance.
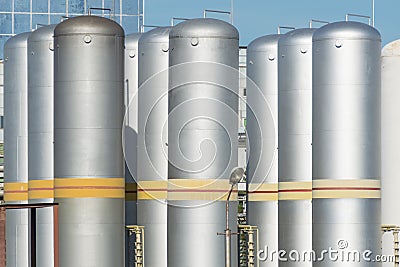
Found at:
(152, 139)
(202, 143)
(294, 142)
(262, 139)
(16, 147)
(346, 142)
(130, 130)
(40, 132)
(88, 159)
(390, 133)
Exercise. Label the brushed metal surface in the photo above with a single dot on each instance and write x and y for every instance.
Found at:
(262, 135)
(131, 56)
(152, 139)
(202, 131)
(16, 143)
(390, 131)
(346, 134)
(40, 132)
(295, 127)
(88, 122)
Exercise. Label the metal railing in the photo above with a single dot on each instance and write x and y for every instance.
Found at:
(284, 27)
(102, 9)
(358, 16)
(177, 19)
(310, 23)
(218, 12)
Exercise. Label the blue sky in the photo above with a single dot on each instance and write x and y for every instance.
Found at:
(255, 18)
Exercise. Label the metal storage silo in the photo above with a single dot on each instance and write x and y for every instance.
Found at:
(346, 141)
(88, 159)
(16, 147)
(202, 139)
(152, 137)
(130, 129)
(390, 132)
(262, 133)
(40, 140)
(295, 151)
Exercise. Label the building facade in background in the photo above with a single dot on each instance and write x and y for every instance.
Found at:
(18, 16)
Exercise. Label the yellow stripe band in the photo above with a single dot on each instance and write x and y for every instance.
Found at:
(362, 188)
(39, 189)
(263, 192)
(130, 191)
(200, 189)
(152, 190)
(15, 191)
(295, 190)
(89, 188)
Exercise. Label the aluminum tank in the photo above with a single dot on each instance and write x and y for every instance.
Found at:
(262, 136)
(16, 147)
(390, 132)
(202, 143)
(346, 141)
(40, 141)
(152, 139)
(88, 159)
(295, 151)
(130, 132)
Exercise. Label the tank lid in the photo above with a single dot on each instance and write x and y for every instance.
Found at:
(156, 35)
(392, 49)
(203, 27)
(88, 25)
(44, 33)
(347, 30)
(19, 40)
(297, 37)
(264, 43)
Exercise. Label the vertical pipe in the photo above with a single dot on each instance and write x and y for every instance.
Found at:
(2, 236)
(33, 237)
(228, 247)
(232, 12)
(56, 236)
(373, 13)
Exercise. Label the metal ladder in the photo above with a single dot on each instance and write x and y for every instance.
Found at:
(248, 248)
(135, 245)
(394, 229)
